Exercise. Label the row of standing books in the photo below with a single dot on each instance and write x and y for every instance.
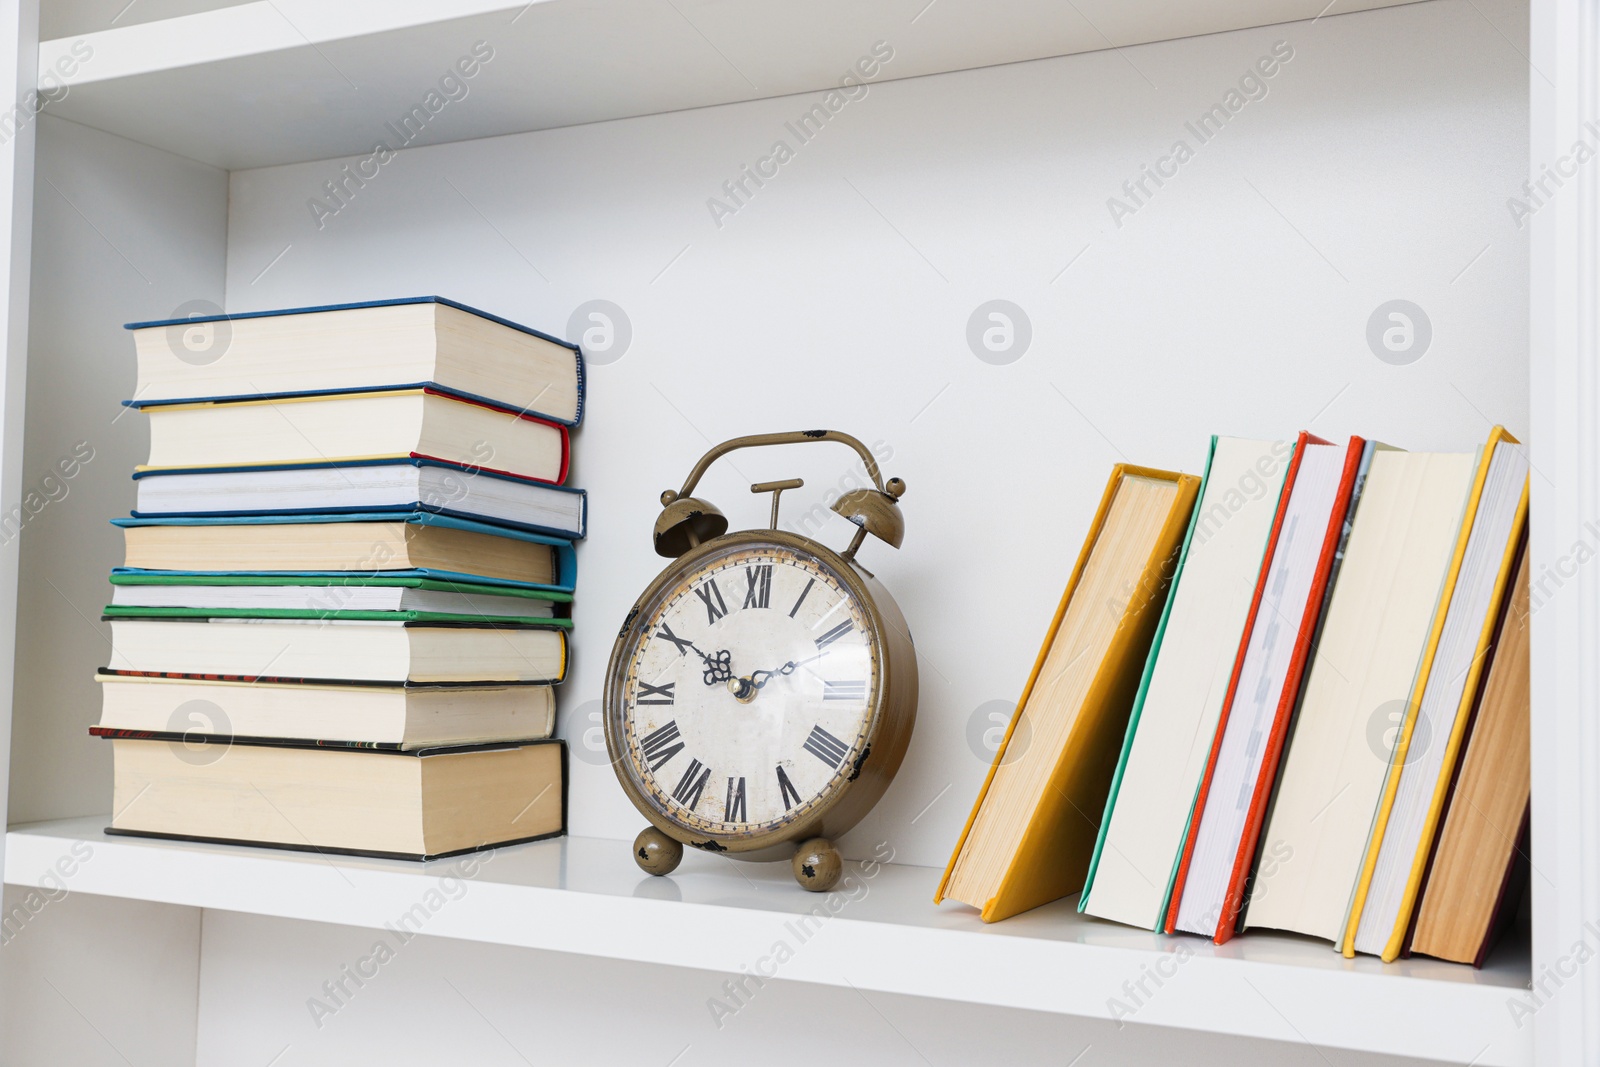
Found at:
(1290, 695)
(345, 600)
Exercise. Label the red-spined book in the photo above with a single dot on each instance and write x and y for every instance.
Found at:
(423, 422)
(1296, 572)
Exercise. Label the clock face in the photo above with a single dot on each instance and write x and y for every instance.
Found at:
(747, 691)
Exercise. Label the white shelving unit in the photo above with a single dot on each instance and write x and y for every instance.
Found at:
(281, 81)
(582, 895)
(179, 164)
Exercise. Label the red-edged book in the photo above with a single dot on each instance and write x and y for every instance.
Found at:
(421, 422)
(1297, 572)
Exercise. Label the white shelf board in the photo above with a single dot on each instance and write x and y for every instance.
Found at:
(883, 933)
(282, 81)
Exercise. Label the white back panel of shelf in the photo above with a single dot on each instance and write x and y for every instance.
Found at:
(1235, 300)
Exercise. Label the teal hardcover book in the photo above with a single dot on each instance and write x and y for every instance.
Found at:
(566, 560)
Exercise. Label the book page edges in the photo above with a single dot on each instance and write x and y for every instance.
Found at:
(1397, 757)
(1191, 830)
(1144, 683)
(1044, 867)
(1233, 901)
(1452, 752)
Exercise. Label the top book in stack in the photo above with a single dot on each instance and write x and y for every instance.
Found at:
(420, 342)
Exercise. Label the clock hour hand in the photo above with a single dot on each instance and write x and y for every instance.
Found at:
(719, 666)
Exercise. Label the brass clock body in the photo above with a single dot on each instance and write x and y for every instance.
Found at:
(762, 691)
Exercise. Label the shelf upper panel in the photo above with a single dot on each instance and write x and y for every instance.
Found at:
(879, 930)
(282, 81)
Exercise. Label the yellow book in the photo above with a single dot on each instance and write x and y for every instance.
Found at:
(1423, 759)
(1034, 825)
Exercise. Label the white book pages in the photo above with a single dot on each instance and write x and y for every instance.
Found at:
(1178, 719)
(1277, 627)
(1372, 641)
(1471, 606)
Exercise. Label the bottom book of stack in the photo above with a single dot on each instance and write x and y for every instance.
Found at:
(404, 803)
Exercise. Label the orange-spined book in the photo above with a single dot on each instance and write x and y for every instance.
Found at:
(1033, 827)
(1312, 516)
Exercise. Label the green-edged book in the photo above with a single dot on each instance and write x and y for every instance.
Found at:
(1175, 714)
(366, 597)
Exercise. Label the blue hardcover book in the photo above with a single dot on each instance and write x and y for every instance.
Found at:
(422, 341)
(374, 557)
(396, 486)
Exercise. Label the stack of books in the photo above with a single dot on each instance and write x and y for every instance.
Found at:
(1306, 708)
(345, 599)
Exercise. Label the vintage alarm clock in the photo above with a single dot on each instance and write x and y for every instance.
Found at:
(763, 689)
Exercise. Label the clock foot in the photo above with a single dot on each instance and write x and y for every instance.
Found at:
(817, 865)
(655, 852)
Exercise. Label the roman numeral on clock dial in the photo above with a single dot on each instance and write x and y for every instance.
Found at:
(733, 807)
(758, 587)
(655, 694)
(834, 634)
(802, 598)
(826, 747)
(706, 759)
(786, 789)
(712, 596)
(691, 785)
(683, 646)
(660, 745)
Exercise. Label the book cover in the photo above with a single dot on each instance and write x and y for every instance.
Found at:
(274, 679)
(566, 557)
(561, 428)
(358, 578)
(1455, 745)
(577, 354)
(1397, 760)
(1035, 873)
(533, 622)
(371, 753)
(578, 533)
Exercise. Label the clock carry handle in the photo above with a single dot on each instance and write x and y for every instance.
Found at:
(685, 521)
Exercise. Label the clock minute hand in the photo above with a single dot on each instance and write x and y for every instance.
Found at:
(761, 678)
(749, 686)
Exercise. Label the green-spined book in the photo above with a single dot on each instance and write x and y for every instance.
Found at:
(370, 597)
